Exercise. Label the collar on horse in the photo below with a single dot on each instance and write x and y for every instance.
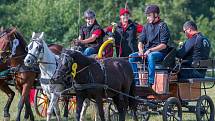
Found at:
(92, 83)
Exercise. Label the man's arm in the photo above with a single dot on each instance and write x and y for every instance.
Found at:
(140, 48)
(89, 40)
(159, 47)
(142, 41)
(95, 35)
(156, 48)
(186, 47)
(164, 38)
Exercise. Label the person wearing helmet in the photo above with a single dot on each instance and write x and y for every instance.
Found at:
(91, 34)
(152, 44)
(125, 34)
(196, 47)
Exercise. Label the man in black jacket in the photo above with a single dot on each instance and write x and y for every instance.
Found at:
(196, 47)
(91, 34)
(152, 43)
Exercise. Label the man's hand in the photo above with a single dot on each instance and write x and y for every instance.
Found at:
(77, 42)
(147, 52)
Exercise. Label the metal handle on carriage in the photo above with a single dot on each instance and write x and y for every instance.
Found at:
(101, 49)
(110, 40)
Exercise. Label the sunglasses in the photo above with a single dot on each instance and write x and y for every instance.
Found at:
(89, 18)
(185, 30)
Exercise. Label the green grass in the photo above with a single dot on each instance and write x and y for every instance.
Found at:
(13, 110)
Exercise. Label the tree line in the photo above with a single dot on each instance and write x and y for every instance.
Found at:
(61, 19)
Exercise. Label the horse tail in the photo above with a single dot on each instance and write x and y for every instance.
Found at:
(132, 102)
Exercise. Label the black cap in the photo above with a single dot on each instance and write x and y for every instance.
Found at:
(89, 14)
(152, 9)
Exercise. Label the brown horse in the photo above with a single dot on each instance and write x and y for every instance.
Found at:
(6, 89)
(12, 46)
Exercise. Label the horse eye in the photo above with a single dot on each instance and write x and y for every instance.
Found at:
(38, 48)
(26, 48)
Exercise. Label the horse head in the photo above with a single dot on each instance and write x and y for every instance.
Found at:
(70, 62)
(35, 49)
(10, 40)
(64, 67)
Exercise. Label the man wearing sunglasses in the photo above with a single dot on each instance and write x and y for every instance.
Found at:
(196, 47)
(125, 34)
(91, 34)
(152, 44)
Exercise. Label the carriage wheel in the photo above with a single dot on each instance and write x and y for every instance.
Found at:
(106, 49)
(142, 113)
(41, 102)
(71, 105)
(205, 109)
(113, 114)
(172, 110)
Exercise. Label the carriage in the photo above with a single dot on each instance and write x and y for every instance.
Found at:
(170, 96)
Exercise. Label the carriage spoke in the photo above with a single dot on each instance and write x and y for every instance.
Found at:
(43, 109)
(40, 103)
(42, 98)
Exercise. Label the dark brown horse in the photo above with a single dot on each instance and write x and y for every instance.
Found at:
(12, 46)
(6, 89)
(91, 77)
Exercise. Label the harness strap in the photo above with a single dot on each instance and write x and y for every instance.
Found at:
(102, 65)
(4, 73)
(89, 86)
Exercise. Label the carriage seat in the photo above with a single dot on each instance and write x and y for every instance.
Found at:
(201, 64)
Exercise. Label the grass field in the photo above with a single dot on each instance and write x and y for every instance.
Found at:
(13, 110)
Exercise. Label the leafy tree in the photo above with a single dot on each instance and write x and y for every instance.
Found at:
(60, 20)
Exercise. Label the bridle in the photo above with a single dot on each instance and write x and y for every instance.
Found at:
(69, 63)
(40, 48)
(8, 52)
(71, 67)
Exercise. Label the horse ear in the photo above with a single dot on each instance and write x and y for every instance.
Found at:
(13, 29)
(41, 35)
(33, 34)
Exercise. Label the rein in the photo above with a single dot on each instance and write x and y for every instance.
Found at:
(43, 62)
(91, 85)
(103, 58)
(18, 56)
(85, 68)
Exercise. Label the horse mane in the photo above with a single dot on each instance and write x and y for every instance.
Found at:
(20, 37)
(17, 35)
(56, 48)
(81, 58)
(4, 32)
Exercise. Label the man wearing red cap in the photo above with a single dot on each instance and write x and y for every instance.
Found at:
(125, 34)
